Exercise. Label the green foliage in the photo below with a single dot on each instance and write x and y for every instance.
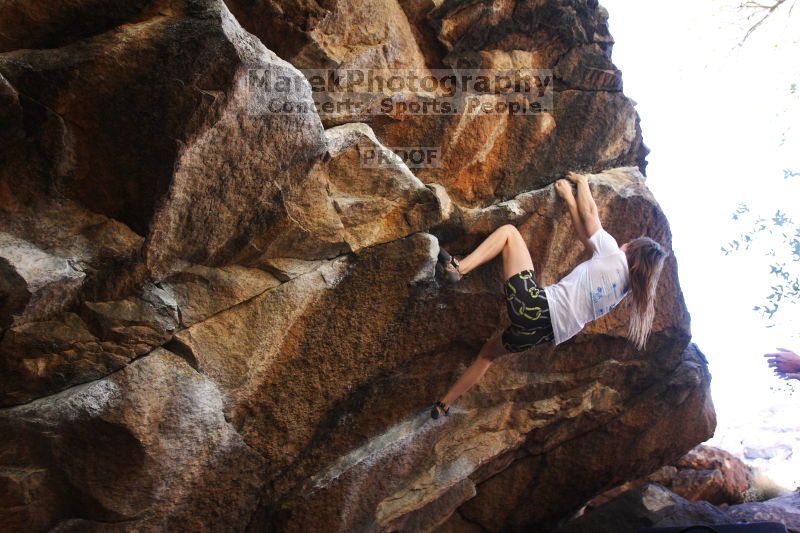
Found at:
(777, 236)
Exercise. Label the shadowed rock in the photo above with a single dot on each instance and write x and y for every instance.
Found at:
(649, 505)
(652, 505)
(154, 124)
(347, 34)
(89, 455)
(55, 254)
(784, 509)
(52, 24)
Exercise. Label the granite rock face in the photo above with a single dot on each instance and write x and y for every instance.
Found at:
(219, 318)
(93, 448)
(489, 155)
(343, 34)
(153, 123)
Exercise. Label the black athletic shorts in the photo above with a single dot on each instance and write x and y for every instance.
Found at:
(528, 311)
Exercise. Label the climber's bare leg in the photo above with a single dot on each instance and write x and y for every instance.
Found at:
(490, 351)
(506, 240)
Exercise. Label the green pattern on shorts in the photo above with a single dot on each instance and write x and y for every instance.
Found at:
(528, 312)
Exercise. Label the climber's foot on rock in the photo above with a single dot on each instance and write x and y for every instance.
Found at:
(450, 266)
(439, 409)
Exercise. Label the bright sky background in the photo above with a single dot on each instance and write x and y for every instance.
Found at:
(722, 125)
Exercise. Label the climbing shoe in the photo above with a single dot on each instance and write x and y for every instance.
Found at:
(449, 265)
(438, 409)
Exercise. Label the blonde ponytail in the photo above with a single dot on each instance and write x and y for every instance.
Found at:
(645, 262)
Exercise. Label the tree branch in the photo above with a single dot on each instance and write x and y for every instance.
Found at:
(763, 9)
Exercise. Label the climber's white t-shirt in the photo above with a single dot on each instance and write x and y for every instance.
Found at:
(591, 290)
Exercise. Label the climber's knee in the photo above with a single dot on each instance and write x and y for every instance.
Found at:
(514, 239)
(510, 230)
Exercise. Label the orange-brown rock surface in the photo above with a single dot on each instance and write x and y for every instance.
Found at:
(216, 318)
(705, 473)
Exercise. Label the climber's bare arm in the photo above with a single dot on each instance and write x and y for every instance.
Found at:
(586, 206)
(564, 190)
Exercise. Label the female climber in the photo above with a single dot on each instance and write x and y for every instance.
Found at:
(557, 312)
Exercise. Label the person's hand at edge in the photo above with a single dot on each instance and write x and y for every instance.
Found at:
(784, 361)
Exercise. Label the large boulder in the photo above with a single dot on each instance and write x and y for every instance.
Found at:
(216, 316)
(705, 473)
(344, 386)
